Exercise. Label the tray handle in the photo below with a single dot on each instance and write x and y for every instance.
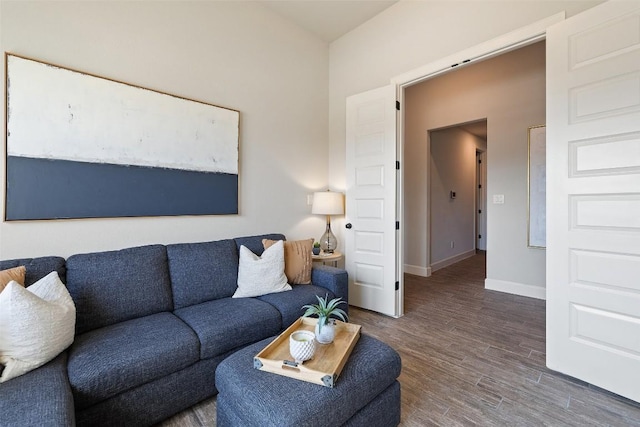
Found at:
(291, 365)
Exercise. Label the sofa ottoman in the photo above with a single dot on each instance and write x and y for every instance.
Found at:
(367, 392)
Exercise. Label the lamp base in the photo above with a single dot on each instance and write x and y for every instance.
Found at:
(328, 241)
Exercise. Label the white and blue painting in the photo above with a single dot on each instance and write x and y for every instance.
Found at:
(80, 146)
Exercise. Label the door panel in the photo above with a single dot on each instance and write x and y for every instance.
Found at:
(370, 244)
(593, 197)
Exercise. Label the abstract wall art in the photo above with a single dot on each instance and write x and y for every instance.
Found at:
(83, 146)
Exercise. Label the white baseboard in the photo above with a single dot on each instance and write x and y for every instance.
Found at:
(515, 288)
(417, 270)
(450, 261)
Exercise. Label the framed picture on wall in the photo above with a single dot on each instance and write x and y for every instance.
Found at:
(537, 187)
(84, 146)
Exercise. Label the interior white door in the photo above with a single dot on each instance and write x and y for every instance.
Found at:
(593, 197)
(370, 237)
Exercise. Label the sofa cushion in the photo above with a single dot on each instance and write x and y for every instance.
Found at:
(224, 324)
(36, 324)
(254, 243)
(39, 398)
(289, 304)
(37, 268)
(110, 287)
(110, 360)
(202, 271)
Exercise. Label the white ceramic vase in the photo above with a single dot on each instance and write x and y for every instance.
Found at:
(327, 333)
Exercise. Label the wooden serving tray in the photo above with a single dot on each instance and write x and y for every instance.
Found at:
(327, 362)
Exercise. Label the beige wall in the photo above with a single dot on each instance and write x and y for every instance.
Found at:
(452, 167)
(411, 34)
(234, 54)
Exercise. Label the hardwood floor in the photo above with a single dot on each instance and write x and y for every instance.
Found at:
(474, 357)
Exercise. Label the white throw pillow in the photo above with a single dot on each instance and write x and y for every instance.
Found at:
(261, 275)
(36, 324)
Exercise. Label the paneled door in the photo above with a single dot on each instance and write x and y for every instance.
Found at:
(593, 197)
(370, 237)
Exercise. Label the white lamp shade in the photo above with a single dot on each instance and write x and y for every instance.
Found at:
(327, 203)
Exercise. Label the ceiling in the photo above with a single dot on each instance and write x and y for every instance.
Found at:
(329, 19)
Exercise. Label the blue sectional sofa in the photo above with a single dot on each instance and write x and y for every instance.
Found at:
(152, 325)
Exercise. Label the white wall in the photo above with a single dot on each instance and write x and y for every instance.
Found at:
(238, 55)
(452, 167)
(411, 34)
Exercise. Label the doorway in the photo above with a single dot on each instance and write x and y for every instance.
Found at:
(453, 192)
(509, 91)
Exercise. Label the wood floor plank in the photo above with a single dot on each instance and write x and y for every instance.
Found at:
(473, 357)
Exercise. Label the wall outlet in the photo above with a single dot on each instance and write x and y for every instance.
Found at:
(453, 244)
(309, 199)
(498, 199)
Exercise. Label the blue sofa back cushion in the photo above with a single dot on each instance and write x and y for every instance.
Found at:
(254, 243)
(37, 268)
(114, 286)
(202, 271)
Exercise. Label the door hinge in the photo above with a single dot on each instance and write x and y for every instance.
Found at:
(480, 186)
(397, 286)
(479, 161)
(397, 165)
(479, 236)
(479, 211)
(397, 225)
(398, 105)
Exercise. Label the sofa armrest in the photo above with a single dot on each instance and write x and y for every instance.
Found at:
(334, 279)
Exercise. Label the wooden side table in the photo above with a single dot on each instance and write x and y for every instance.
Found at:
(325, 258)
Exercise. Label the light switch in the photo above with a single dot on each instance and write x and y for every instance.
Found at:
(498, 199)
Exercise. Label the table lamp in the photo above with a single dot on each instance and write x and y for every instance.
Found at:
(328, 203)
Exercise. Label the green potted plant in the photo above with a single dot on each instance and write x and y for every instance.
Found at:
(316, 248)
(325, 329)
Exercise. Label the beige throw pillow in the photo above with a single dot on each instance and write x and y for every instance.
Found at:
(16, 274)
(297, 259)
